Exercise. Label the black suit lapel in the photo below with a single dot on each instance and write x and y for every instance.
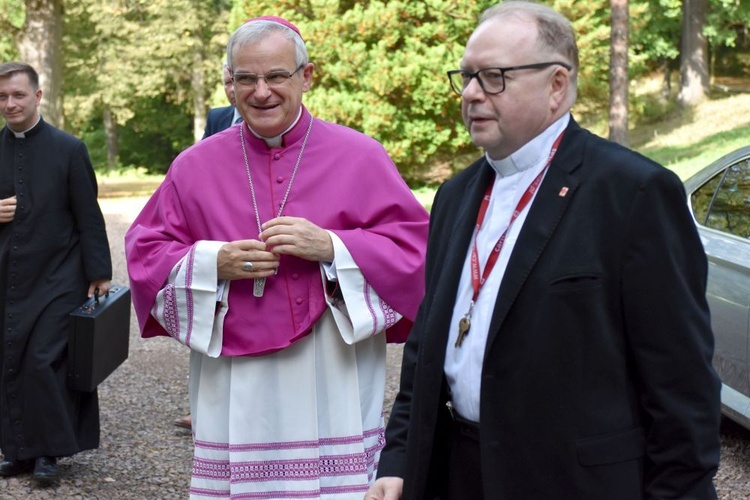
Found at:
(463, 229)
(229, 117)
(457, 239)
(555, 193)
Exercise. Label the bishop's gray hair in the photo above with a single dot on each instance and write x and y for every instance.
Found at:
(253, 31)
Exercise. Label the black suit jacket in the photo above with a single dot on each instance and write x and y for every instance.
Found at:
(597, 380)
(218, 119)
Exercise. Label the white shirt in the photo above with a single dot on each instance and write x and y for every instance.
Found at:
(514, 174)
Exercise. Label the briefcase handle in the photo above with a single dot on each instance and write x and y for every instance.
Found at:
(96, 295)
(92, 304)
(113, 289)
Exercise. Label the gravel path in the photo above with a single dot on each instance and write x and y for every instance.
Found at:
(144, 456)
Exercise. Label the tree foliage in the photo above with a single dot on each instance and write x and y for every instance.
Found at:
(139, 59)
(12, 16)
(154, 67)
(591, 24)
(381, 69)
(656, 29)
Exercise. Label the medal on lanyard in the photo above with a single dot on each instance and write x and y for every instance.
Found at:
(477, 279)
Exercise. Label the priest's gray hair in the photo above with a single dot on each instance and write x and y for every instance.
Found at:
(253, 31)
(555, 32)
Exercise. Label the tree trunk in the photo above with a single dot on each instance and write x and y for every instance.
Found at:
(40, 45)
(110, 132)
(199, 102)
(666, 84)
(618, 73)
(693, 53)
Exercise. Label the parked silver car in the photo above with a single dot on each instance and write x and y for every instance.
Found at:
(719, 197)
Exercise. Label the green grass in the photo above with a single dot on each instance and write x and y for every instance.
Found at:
(686, 142)
(127, 183)
(686, 160)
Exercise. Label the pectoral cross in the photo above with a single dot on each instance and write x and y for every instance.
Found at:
(259, 284)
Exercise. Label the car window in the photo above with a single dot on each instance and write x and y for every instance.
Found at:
(729, 209)
(703, 196)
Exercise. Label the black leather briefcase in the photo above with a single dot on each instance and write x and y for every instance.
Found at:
(99, 338)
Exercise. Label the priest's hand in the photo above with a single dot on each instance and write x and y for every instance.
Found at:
(298, 237)
(7, 209)
(100, 287)
(386, 488)
(243, 259)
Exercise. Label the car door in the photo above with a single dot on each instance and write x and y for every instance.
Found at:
(721, 207)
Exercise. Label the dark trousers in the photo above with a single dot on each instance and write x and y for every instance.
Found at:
(465, 475)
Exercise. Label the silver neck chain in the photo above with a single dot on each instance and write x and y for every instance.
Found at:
(291, 180)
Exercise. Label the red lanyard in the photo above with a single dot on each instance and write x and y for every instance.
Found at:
(476, 280)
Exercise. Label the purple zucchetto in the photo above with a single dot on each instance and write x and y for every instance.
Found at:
(278, 20)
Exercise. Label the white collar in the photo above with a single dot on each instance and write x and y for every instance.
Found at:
(274, 142)
(21, 135)
(531, 153)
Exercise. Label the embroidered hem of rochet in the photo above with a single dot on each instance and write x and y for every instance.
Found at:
(250, 441)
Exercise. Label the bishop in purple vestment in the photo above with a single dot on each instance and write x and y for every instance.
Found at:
(282, 252)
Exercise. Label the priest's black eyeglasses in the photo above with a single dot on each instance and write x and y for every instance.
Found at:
(492, 80)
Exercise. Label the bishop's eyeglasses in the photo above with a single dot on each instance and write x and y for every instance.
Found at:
(272, 79)
(492, 80)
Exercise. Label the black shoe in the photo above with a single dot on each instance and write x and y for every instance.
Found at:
(46, 471)
(15, 467)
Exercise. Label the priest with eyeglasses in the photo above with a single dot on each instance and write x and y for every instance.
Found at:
(283, 253)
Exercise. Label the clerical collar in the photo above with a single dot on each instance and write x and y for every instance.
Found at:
(275, 142)
(22, 135)
(531, 153)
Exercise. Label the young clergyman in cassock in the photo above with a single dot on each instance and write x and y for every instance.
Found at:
(53, 252)
(282, 252)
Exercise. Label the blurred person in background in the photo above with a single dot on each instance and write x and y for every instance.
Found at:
(223, 117)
